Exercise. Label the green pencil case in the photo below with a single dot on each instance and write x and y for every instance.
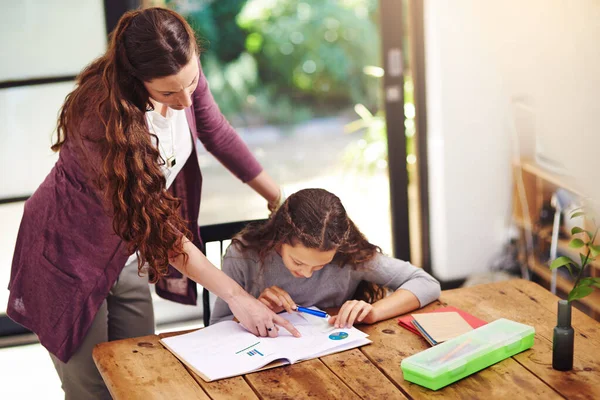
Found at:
(466, 354)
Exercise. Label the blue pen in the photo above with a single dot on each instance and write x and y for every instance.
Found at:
(310, 311)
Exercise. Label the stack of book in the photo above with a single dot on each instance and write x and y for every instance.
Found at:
(440, 325)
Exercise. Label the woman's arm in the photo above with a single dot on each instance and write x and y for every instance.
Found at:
(237, 267)
(219, 137)
(255, 316)
(264, 185)
(222, 141)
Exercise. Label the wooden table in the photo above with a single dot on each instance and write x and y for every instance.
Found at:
(141, 368)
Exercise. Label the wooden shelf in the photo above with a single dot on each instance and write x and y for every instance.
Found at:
(520, 222)
(563, 181)
(564, 285)
(533, 188)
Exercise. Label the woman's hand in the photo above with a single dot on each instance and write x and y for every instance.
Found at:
(277, 300)
(257, 317)
(353, 311)
(264, 185)
(274, 204)
(254, 315)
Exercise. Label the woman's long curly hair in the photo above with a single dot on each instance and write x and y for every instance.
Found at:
(145, 45)
(316, 219)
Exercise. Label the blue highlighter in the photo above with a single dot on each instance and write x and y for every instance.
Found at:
(310, 311)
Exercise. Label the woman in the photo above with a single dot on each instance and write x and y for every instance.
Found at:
(123, 199)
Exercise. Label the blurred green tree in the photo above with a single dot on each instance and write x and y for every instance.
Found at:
(286, 60)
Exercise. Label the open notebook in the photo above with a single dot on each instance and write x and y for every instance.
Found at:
(226, 349)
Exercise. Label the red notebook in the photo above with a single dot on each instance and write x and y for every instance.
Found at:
(406, 321)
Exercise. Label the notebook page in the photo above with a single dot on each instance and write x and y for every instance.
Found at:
(227, 349)
(221, 350)
(321, 337)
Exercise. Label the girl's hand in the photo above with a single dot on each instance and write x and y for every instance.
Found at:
(257, 318)
(277, 300)
(353, 311)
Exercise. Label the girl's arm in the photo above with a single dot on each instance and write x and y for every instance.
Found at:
(413, 288)
(253, 315)
(397, 275)
(399, 302)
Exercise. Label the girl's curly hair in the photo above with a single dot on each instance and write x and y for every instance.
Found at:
(316, 219)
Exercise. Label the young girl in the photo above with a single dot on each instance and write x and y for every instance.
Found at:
(310, 253)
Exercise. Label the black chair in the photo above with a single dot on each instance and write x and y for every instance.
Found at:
(219, 233)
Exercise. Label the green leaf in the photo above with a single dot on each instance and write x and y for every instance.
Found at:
(582, 257)
(594, 249)
(560, 262)
(590, 282)
(576, 243)
(580, 292)
(577, 214)
(576, 230)
(570, 270)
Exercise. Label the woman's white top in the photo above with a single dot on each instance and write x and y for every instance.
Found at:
(177, 142)
(181, 143)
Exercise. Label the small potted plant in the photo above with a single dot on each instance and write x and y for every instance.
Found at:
(585, 242)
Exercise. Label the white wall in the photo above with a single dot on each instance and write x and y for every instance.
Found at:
(29, 115)
(44, 38)
(40, 39)
(485, 59)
